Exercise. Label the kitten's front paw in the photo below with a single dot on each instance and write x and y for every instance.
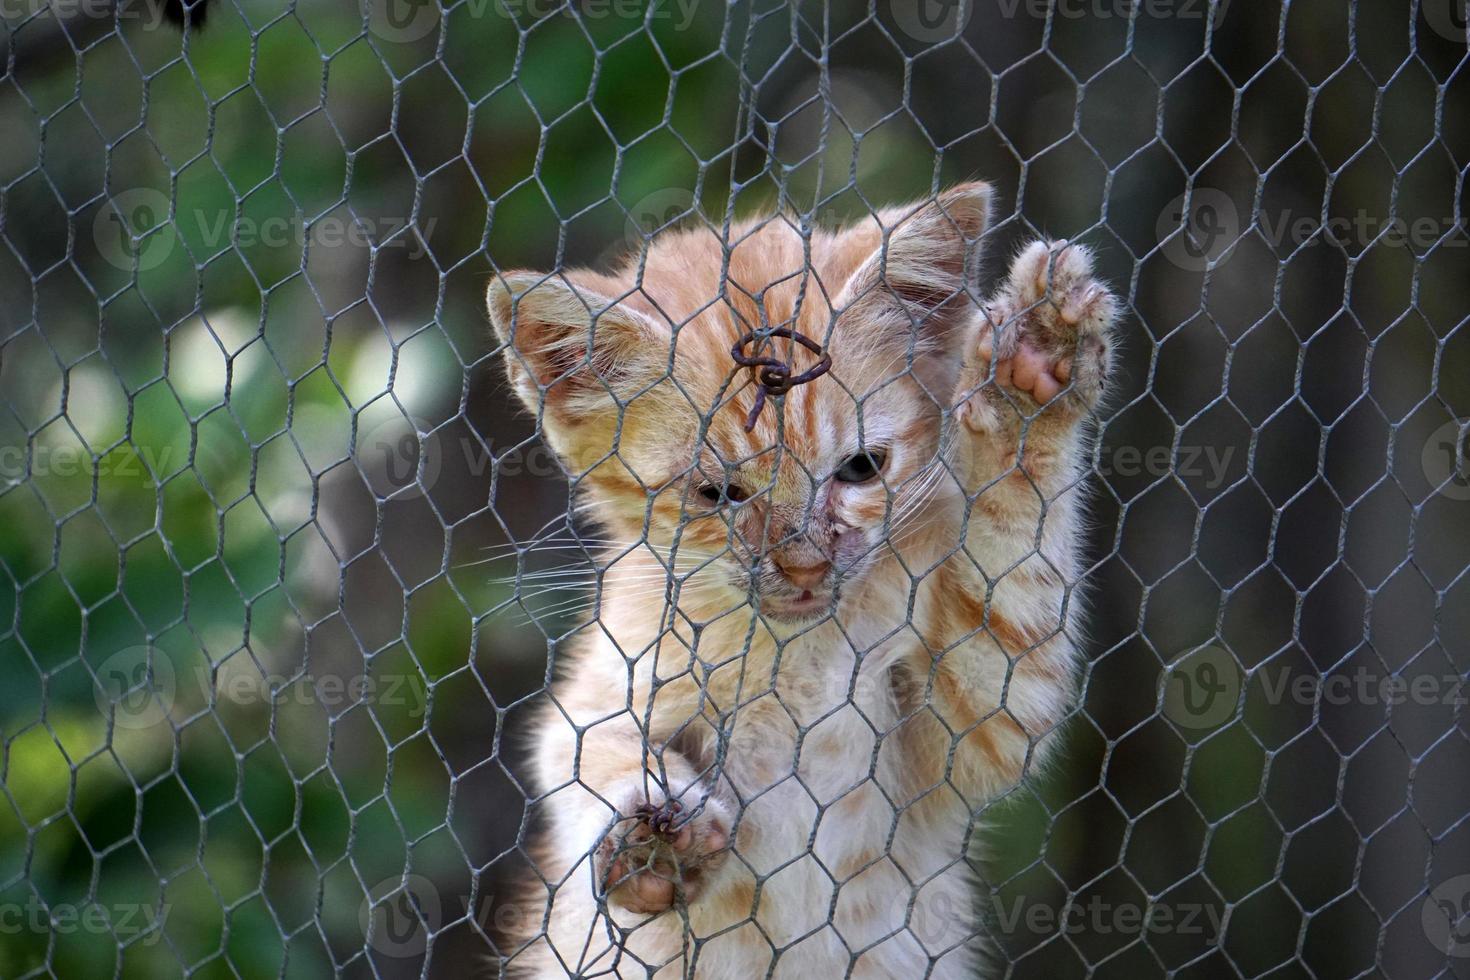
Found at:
(658, 852)
(1047, 335)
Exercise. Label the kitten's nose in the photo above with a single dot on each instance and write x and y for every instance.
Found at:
(804, 576)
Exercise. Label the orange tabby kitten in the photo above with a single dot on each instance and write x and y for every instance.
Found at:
(826, 641)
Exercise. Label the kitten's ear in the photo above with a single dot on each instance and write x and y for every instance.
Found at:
(570, 351)
(919, 282)
(933, 247)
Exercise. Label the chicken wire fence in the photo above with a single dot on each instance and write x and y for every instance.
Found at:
(269, 642)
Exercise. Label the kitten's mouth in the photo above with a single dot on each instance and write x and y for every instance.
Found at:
(806, 605)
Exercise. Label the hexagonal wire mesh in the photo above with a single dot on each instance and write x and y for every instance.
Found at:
(287, 574)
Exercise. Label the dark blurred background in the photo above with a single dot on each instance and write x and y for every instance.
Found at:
(262, 682)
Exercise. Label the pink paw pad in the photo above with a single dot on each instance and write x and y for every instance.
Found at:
(1031, 371)
(1052, 318)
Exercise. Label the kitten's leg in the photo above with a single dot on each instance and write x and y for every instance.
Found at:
(638, 811)
(1000, 674)
(1034, 371)
(633, 831)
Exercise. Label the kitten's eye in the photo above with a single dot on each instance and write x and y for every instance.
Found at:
(718, 497)
(862, 467)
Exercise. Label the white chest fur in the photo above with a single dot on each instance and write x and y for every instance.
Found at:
(825, 831)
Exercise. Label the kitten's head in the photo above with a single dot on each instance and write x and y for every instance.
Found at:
(633, 380)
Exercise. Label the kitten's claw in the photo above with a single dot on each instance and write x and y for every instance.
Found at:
(661, 857)
(1044, 335)
(659, 818)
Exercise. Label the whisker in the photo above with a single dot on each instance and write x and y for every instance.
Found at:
(620, 585)
(656, 586)
(917, 496)
(517, 549)
(588, 602)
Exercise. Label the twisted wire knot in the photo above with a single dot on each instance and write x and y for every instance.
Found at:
(774, 376)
